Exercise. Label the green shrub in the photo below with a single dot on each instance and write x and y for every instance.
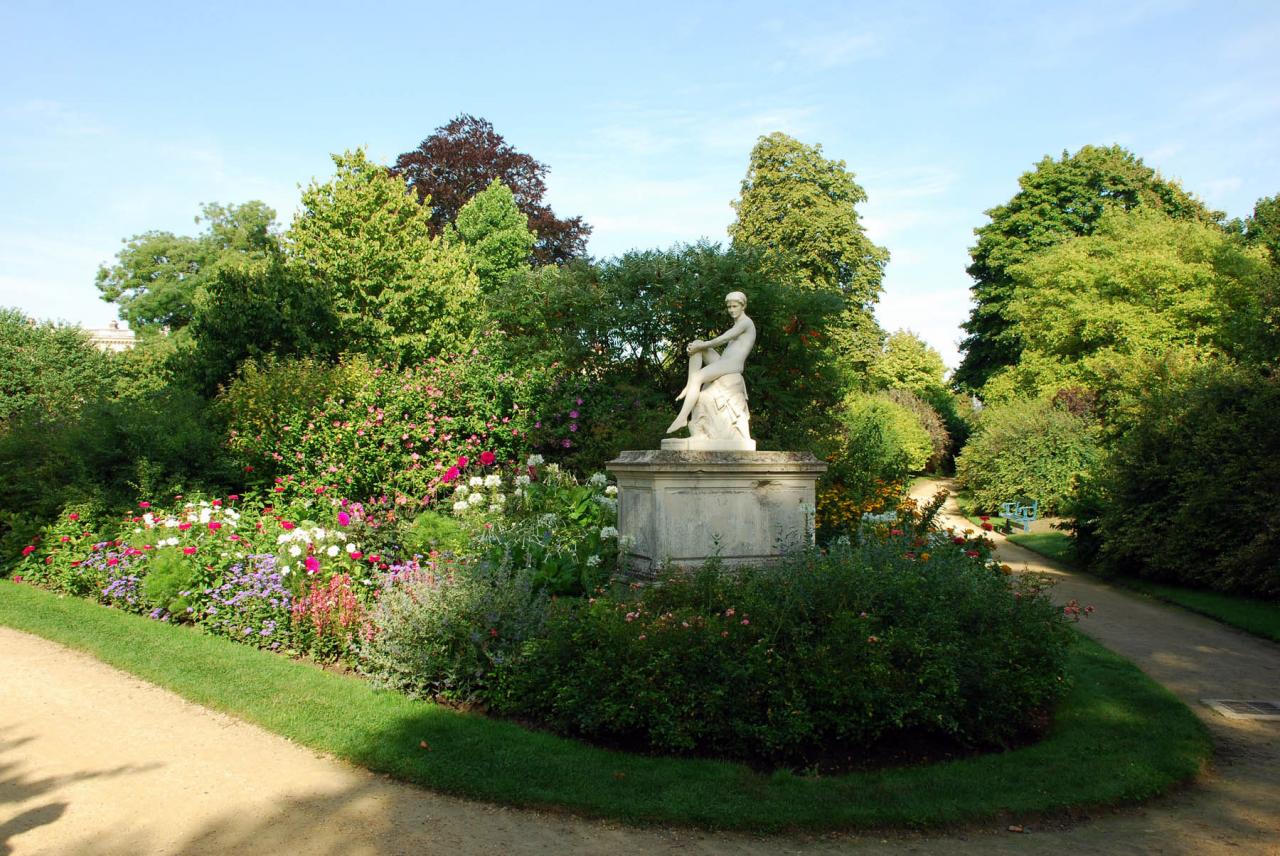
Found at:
(169, 578)
(1026, 449)
(930, 421)
(50, 370)
(431, 532)
(382, 431)
(1191, 492)
(446, 631)
(545, 524)
(900, 635)
(880, 442)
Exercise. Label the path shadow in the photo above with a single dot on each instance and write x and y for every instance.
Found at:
(16, 788)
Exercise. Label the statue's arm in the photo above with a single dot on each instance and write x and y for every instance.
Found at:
(739, 327)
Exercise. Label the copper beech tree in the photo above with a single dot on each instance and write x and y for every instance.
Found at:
(462, 158)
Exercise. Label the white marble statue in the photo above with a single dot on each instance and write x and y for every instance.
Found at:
(715, 381)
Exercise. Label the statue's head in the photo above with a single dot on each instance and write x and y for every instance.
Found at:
(735, 302)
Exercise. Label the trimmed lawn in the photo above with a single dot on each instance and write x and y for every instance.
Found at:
(1252, 616)
(1118, 737)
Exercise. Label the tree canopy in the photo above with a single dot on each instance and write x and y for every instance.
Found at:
(157, 274)
(397, 291)
(797, 212)
(908, 362)
(496, 233)
(1142, 285)
(462, 158)
(1056, 201)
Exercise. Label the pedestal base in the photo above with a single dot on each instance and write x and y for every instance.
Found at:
(706, 444)
(685, 507)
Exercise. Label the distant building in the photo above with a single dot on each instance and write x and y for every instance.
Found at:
(113, 337)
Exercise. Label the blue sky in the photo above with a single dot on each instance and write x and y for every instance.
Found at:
(121, 118)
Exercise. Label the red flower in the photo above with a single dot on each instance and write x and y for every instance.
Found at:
(214, 526)
(463, 461)
(29, 549)
(217, 503)
(958, 540)
(357, 555)
(984, 518)
(113, 561)
(184, 526)
(987, 526)
(285, 524)
(487, 458)
(188, 551)
(248, 468)
(65, 538)
(73, 516)
(972, 554)
(144, 505)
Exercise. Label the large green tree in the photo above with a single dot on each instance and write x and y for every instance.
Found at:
(908, 362)
(156, 276)
(798, 212)
(496, 233)
(397, 291)
(1093, 310)
(1056, 201)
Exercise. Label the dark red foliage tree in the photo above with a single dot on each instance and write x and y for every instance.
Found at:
(461, 158)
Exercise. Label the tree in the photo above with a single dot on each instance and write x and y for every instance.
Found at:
(157, 274)
(462, 158)
(496, 233)
(1141, 286)
(797, 210)
(255, 309)
(396, 291)
(907, 362)
(1263, 228)
(50, 370)
(1058, 200)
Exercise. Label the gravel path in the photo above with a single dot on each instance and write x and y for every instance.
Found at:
(93, 761)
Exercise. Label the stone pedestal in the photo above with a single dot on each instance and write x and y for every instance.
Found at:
(687, 506)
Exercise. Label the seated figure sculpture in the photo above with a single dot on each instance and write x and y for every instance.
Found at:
(715, 396)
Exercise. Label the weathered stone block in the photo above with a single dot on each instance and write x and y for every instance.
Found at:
(687, 506)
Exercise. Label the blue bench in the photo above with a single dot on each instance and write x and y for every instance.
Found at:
(1019, 514)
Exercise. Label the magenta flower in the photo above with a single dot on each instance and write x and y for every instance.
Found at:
(344, 519)
(487, 458)
(313, 565)
(573, 414)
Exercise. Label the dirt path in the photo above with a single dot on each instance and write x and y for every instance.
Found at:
(93, 761)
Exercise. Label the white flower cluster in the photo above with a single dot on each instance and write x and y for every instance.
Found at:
(534, 461)
(608, 532)
(300, 538)
(472, 494)
(598, 480)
